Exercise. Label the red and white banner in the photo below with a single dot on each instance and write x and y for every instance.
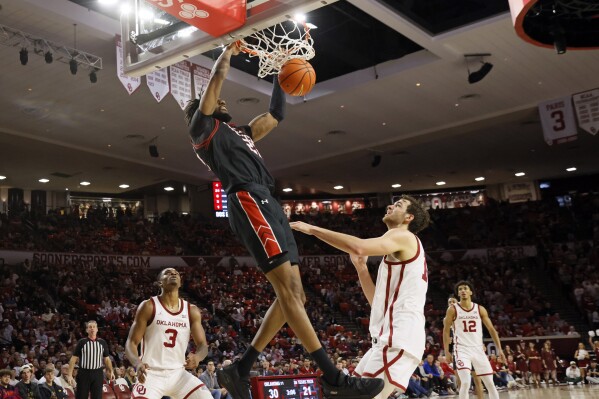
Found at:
(158, 84)
(201, 77)
(587, 110)
(181, 82)
(130, 83)
(557, 119)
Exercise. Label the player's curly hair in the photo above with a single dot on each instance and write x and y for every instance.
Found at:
(421, 217)
(190, 109)
(459, 284)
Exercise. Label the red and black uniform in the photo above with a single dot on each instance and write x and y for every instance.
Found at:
(9, 392)
(254, 214)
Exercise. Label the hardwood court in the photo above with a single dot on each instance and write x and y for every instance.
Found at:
(561, 392)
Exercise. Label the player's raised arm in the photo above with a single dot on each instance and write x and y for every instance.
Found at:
(199, 338)
(138, 328)
(450, 316)
(217, 78)
(489, 324)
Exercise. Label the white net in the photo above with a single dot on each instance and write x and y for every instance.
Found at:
(278, 44)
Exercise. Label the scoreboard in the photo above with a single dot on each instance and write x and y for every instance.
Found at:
(219, 198)
(301, 386)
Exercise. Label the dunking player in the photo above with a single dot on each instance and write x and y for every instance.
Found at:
(258, 220)
(478, 385)
(163, 325)
(397, 300)
(467, 318)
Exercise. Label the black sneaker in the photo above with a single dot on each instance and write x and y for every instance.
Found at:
(229, 378)
(347, 387)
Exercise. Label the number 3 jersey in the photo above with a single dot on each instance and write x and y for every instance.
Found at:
(467, 327)
(166, 338)
(397, 315)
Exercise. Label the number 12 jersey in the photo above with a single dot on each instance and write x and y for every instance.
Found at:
(467, 327)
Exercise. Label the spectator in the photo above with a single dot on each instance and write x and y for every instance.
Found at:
(593, 373)
(27, 388)
(7, 391)
(130, 377)
(573, 375)
(62, 379)
(49, 389)
(209, 379)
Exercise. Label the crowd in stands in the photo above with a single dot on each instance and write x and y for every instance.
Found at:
(43, 306)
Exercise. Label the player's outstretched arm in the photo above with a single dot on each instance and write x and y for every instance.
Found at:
(366, 282)
(450, 316)
(484, 315)
(136, 333)
(392, 241)
(263, 124)
(199, 338)
(217, 78)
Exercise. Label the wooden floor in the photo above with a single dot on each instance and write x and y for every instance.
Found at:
(561, 392)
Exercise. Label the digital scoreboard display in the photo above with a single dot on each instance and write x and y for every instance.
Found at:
(306, 386)
(219, 197)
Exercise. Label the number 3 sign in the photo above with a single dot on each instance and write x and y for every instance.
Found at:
(557, 118)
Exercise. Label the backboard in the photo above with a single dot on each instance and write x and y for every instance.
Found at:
(154, 39)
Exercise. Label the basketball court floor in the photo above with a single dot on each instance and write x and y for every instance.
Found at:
(562, 392)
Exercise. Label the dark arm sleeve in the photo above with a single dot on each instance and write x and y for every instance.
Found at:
(247, 129)
(78, 350)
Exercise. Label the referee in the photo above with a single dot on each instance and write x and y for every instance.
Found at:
(92, 353)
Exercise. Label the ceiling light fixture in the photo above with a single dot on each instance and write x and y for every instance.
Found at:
(2, 177)
(396, 185)
(477, 76)
(85, 183)
(479, 178)
(93, 77)
(571, 169)
(519, 174)
(169, 188)
(124, 186)
(440, 183)
(288, 189)
(338, 187)
(43, 180)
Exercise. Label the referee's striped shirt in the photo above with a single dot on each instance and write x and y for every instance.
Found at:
(91, 353)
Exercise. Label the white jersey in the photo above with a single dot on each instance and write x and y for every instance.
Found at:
(467, 327)
(397, 315)
(166, 338)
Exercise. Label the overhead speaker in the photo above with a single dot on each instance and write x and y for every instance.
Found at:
(376, 161)
(154, 151)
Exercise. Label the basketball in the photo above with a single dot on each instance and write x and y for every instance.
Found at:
(297, 77)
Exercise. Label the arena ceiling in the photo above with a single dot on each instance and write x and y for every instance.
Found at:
(399, 95)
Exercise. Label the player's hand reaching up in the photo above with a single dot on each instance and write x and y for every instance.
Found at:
(359, 262)
(141, 372)
(234, 47)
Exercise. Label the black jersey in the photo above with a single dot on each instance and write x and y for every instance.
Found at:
(230, 153)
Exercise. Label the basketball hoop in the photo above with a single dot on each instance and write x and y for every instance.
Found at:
(278, 44)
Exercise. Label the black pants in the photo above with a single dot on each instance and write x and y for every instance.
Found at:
(89, 382)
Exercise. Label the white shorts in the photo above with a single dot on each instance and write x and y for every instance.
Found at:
(178, 384)
(395, 365)
(468, 357)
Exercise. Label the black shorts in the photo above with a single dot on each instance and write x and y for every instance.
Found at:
(260, 223)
